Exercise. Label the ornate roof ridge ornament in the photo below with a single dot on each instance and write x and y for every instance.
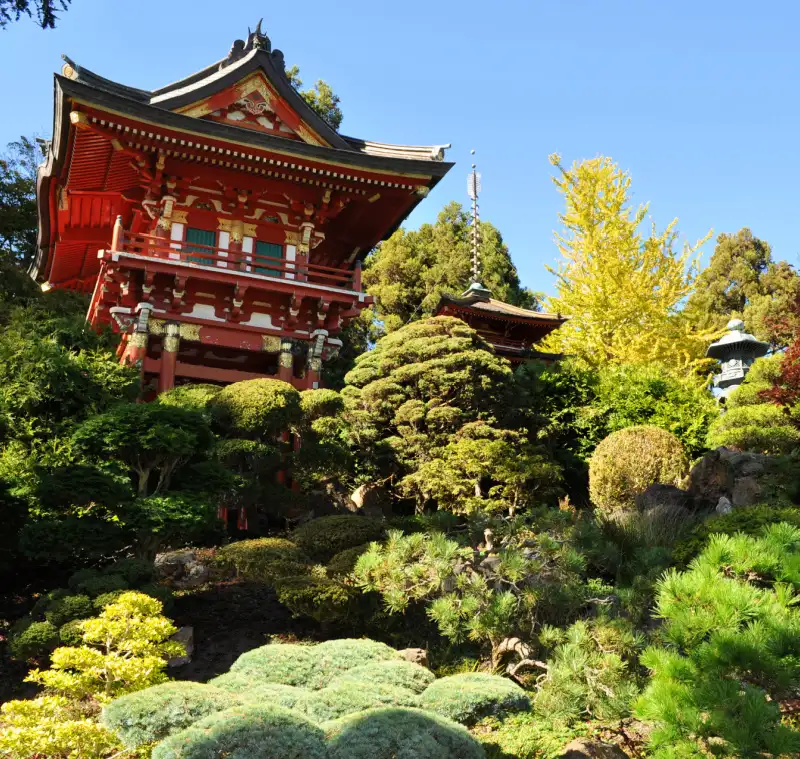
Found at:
(256, 40)
(476, 289)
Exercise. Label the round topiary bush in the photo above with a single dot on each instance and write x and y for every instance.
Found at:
(396, 672)
(264, 559)
(93, 583)
(469, 697)
(71, 634)
(318, 403)
(247, 732)
(311, 667)
(68, 608)
(137, 572)
(344, 562)
(327, 601)
(397, 733)
(260, 408)
(629, 461)
(104, 599)
(152, 714)
(323, 538)
(34, 641)
(284, 663)
(348, 698)
(250, 688)
(197, 397)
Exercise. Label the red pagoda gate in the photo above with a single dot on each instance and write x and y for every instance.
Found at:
(218, 222)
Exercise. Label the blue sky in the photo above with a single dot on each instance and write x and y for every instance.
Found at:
(697, 99)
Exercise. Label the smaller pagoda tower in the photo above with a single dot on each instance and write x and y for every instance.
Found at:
(736, 351)
(510, 330)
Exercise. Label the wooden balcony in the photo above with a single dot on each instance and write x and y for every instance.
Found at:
(208, 257)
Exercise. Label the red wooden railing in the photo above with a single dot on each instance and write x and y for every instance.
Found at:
(195, 254)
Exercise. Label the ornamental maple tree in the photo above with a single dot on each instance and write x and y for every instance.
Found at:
(621, 288)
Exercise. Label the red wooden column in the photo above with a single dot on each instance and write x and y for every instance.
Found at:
(286, 361)
(169, 358)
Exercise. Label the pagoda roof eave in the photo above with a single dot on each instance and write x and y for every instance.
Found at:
(85, 94)
(495, 309)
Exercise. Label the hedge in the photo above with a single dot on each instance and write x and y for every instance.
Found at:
(325, 537)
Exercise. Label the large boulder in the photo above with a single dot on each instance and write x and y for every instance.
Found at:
(182, 569)
(660, 496)
(584, 748)
(742, 478)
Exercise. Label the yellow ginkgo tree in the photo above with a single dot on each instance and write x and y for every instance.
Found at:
(622, 288)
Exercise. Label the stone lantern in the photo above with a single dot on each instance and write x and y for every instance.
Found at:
(736, 351)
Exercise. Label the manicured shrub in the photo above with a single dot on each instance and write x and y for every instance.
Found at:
(149, 715)
(264, 559)
(397, 733)
(253, 689)
(247, 732)
(750, 520)
(284, 663)
(763, 428)
(311, 667)
(197, 397)
(104, 599)
(344, 562)
(137, 572)
(160, 593)
(71, 634)
(396, 672)
(91, 582)
(630, 460)
(348, 698)
(34, 641)
(323, 538)
(470, 697)
(68, 608)
(318, 403)
(325, 600)
(259, 408)
(46, 600)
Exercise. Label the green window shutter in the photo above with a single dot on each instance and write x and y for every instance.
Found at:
(266, 251)
(200, 237)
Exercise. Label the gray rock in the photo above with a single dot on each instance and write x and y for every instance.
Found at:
(746, 491)
(583, 748)
(724, 506)
(415, 656)
(660, 496)
(184, 636)
(182, 569)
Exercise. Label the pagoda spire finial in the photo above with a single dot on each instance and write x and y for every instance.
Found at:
(473, 190)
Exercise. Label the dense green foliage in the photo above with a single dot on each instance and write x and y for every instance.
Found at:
(259, 409)
(733, 612)
(45, 10)
(408, 733)
(630, 460)
(409, 272)
(323, 538)
(250, 732)
(469, 697)
(742, 280)
(149, 715)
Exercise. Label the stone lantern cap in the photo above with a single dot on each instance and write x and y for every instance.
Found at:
(736, 343)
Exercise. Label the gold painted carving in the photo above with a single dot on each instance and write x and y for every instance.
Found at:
(272, 343)
(315, 364)
(157, 326)
(79, 119)
(249, 230)
(68, 71)
(308, 136)
(292, 238)
(190, 331)
(172, 343)
(287, 360)
(375, 197)
(180, 217)
(139, 340)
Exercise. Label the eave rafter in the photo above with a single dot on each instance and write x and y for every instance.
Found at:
(188, 148)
